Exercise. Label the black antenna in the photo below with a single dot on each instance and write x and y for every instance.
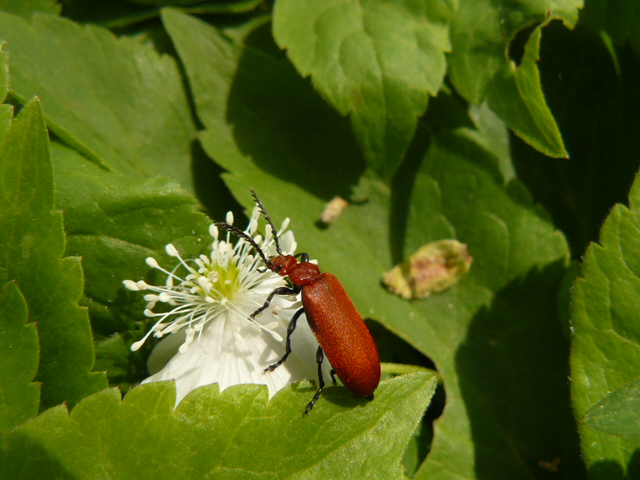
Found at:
(268, 219)
(236, 231)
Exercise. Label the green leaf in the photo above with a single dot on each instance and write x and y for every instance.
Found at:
(4, 73)
(19, 395)
(372, 60)
(31, 245)
(6, 111)
(6, 117)
(493, 135)
(516, 96)
(114, 222)
(618, 413)
(26, 8)
(417, 449)
(480, 68)
(115, 100)
(236, 434)
(227, 96)
(606, 342)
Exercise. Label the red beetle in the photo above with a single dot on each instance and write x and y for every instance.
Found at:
(343, 336)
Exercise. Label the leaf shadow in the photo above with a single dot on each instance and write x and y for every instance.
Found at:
(27, 456)
(595, 104)
(513, 370)
(335, 394)
(287, 129)
(611, 470)
(211, 191)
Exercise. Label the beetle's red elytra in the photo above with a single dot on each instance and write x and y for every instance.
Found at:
(342, 334)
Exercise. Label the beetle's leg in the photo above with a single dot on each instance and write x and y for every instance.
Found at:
(304, 257)
(319, 359)
(290, 329)
(277, 291)
(333, 376)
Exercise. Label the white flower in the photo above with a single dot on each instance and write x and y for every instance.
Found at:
(211, 338)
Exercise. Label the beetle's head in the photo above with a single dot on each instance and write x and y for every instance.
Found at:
(283, 264)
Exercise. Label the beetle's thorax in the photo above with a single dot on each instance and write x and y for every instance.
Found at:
(299, 273)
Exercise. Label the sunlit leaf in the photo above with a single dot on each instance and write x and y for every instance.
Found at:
(236, 434)
(117, 101)
(375, 61)
(606, 342)
(19, 395)
(32, 244)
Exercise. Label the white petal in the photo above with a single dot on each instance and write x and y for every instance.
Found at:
(288, 242)
(165, 351)
(232, 351)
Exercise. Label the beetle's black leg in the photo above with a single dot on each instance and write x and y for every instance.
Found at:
(333, 376)
(290, 329)
(304, 257)
(319, 359)
(278, 291)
